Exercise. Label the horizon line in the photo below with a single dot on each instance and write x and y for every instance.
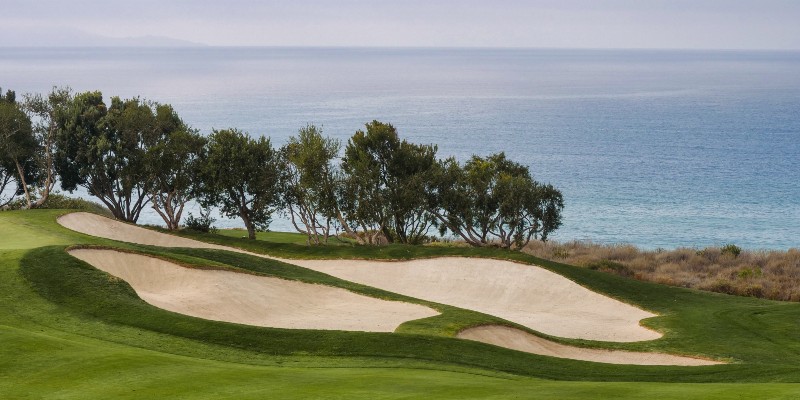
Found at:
(373, 47)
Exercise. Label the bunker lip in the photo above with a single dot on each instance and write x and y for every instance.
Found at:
(524, 294)
(107, 228)
(516, 339)
(249, 299)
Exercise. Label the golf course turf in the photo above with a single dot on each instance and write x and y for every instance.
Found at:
(69, 330)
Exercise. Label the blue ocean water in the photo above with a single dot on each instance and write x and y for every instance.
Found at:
(654, 148)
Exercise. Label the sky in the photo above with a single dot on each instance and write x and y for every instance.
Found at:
(657, 24)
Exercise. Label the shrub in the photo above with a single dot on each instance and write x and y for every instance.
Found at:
(560, 252)
(610, 266)
(752, 291)
(58, 201)
(710, 254)
(732, 249)
(202, 223)
(748, 272)
(720, 286)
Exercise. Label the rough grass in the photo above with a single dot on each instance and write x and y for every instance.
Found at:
(765, 274)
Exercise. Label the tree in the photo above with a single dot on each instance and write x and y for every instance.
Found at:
(44, 110)
(8, 169)
(175, 166)
(107, 149)
(18, 149)
(243, 177)
(495, 201)
(387, 184)
(6, 178)
(309, 194)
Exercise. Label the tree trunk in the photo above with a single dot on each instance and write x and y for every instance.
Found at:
(347, 229)
(251, 232)
(23, 183)
(387, 233)
(251, 228)
(49, 182)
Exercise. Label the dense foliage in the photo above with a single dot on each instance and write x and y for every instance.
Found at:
(494, 200)
(385, 184)
(43, 111)
(112, 151)
(242, 176)
(310, 186)
(131, 153)
(18, 150)
(175, 164)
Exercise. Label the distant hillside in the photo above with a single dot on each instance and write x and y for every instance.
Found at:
(68, 37)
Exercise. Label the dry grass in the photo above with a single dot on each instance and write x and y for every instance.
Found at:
(765, 274)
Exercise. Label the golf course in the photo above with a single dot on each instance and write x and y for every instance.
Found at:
(97, 308)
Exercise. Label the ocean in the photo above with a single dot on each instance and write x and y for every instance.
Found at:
(654, 148)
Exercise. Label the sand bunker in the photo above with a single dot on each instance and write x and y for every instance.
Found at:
(523, 341)
(96, 225)
(525, 294)
(528, 295)
(248, 299)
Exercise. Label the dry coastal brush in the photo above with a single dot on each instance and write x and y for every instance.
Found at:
(769, 274)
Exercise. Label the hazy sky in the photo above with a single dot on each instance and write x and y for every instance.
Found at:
(720, 24)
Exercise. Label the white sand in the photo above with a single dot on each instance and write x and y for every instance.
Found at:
(523, 341)
(96, 225)
(528, 295)
(248, 299)
(531, 296)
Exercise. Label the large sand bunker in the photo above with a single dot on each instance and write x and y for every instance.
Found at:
(248, 299)
(528, 295)
(516, 339)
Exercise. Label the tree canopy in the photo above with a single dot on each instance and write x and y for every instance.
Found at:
(385, 184)
(18, 150)
(243, 177)
(131, 153)
(309, 194)
(493, 200)
(43, 109)
(175, 168)
(107, 149)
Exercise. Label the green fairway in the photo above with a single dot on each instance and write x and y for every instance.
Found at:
(19, 232)
(69, 331)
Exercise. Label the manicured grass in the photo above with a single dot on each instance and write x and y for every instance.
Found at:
(274, 237)
(68, 331)
(39, 366)
(290, 248)
(18, 231)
